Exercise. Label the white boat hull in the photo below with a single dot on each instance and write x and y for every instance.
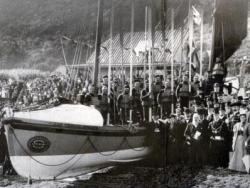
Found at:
(44, 153)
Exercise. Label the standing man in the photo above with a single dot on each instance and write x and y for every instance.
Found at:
(146, 102)
(123, 102)
(182, 92)
(156, 89)
(165, 99)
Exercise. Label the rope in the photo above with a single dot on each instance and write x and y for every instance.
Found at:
(44, 164)
(133, 148)
(115, 151)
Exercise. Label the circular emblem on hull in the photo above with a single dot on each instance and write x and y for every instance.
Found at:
(38, 144)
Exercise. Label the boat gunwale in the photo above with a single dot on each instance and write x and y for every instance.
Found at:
(66, 128)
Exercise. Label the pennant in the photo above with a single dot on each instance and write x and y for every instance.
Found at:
(196, 16)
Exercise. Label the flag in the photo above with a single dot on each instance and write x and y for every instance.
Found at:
(196, 16)
(195, 62)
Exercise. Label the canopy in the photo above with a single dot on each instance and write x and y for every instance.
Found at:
(66, 113)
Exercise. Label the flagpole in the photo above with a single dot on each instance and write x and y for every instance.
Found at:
(131, 53)
(172, 59)
(201, 42)
(110, 58)
(190, 43)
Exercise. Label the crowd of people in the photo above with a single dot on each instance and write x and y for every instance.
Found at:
(205, 121)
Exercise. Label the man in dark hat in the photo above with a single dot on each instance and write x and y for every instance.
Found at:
(205, 135)
(187, 115)
(219, 140)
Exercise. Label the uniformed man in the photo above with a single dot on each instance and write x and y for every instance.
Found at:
(205, 135)
(156, 89)
(196, 83)
(104, 105)
(219, 151)
(136, 102)
(165, 99)
(215, 94)
(219, 72)
(183, 93)
(179, 126)
(123, 102)
(146, 102)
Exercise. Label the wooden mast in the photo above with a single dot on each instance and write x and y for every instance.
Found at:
(191, 29)
(98, 39)
(146, 45)
(172, 59)
(150, 24)
(163, 34)
(201, 42)
(211, 60)
(131, 53)
(110, 57)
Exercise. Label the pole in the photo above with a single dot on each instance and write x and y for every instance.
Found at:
(131, 52)
(163, 34)
(182, 31)
(201, 42)
(110, 58)
(211, 60)
(150, 57)
(172, 59)
(146, 44)
(98, 43)
(191, 28)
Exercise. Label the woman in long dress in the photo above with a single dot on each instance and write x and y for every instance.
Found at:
(238, 145)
